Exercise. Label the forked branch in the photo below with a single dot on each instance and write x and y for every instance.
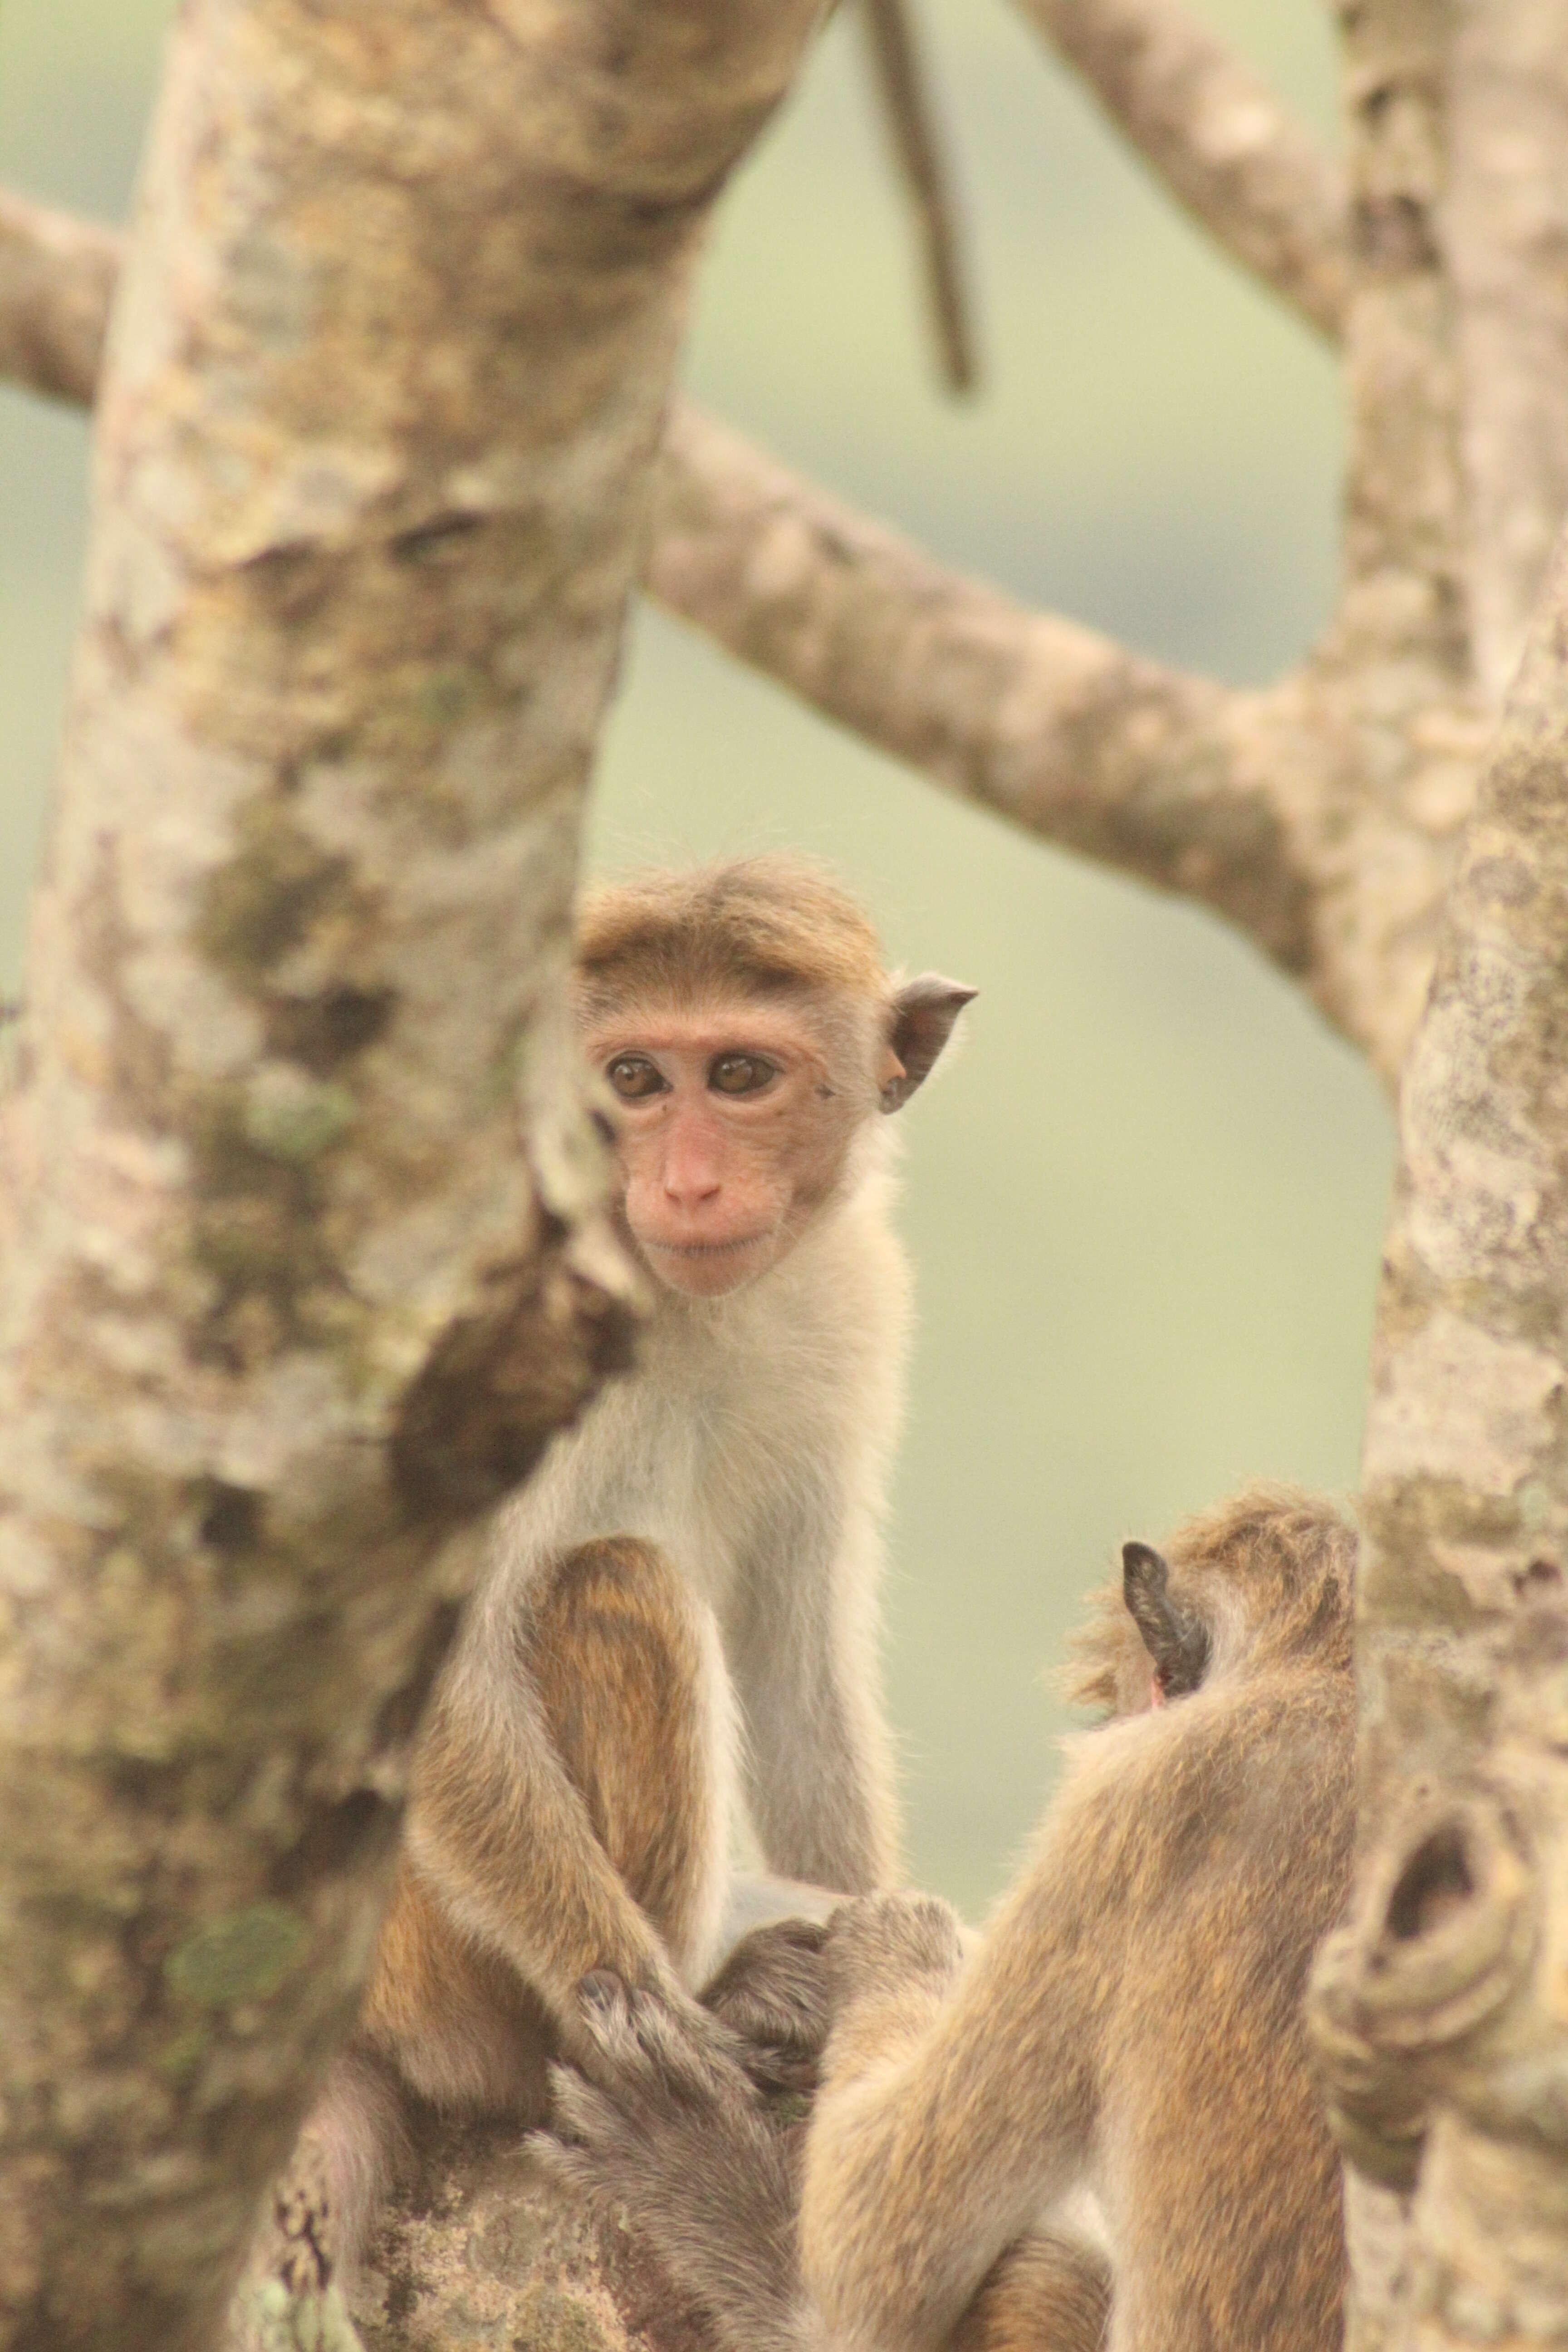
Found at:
(1219, 138)
(1050, 724)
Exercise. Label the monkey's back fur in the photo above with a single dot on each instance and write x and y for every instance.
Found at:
(1129, 2038)
(1107, 2103)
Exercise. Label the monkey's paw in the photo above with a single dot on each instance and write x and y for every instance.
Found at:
(774, 1992)
(882, 1939)
(673, 2133)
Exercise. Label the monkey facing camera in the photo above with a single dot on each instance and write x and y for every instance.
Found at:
(1097, 2125)
(681, 1604)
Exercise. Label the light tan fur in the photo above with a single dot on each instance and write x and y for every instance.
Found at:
(683, 1601)
(1113, 2083)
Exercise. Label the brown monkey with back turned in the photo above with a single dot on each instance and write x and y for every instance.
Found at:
(1111, 2095)
(682, 1601)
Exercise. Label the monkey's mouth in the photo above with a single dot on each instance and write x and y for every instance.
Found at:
(706, 1249)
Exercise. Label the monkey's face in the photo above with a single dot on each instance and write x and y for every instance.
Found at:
(734, 1127)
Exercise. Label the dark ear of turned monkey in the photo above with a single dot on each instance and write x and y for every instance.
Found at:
(680, 1611)
(1097, 2127)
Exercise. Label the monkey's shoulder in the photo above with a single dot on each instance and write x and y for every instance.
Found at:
(1249, 1764)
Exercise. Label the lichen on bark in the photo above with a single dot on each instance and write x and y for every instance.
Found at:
(306, 1259)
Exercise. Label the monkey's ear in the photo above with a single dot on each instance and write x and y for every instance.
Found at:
(1176, 1641)
(924, 1011)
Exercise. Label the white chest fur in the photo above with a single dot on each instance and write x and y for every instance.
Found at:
(735, 1405)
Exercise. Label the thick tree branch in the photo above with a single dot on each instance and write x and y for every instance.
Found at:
(1219, 138)
(1405, 600)
(1047, 723)
(284, 1305)
(1439, 2007)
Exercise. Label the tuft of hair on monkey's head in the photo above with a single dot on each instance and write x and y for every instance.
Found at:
(777, 924)
(772, 924)
(1266, 1577)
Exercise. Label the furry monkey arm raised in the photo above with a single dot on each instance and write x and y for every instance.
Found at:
(1132, 2025)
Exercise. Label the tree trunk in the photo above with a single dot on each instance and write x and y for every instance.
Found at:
(285, 1306)
(1439, 2010)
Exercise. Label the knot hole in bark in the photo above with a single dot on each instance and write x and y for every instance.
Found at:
(1440, 1938)
(1432, 1884)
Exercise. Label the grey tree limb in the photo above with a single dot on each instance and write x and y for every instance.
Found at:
(284, 1307)
(1046, 722)
(1505, 224)
(1438, 2008)
(1218, 140)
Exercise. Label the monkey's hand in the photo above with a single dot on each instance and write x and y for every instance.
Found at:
(773, 1992)
(883, 1940)
(888, 1961)
(678, 2136)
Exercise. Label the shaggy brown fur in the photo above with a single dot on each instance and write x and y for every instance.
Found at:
(1120, 2063)
(701, 1549)
(756, 925)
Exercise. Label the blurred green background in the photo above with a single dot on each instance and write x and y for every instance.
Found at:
(1145, 1202)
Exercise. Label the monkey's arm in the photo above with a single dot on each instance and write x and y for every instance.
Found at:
(687, 2148)
(803, 1652)
(957, 2100)
(889, 1962)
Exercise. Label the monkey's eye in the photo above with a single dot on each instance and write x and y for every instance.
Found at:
(633, 1077)
(741, 1074)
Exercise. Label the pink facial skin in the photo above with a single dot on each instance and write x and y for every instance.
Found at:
(730, 1132)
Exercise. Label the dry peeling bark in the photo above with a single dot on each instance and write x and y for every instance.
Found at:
(284, 1307)
(486, 2252)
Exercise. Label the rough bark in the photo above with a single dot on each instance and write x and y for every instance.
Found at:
(486, 2249)
(491, 2252)
(285, 1307)
(1440, 2009)
(1506, 225)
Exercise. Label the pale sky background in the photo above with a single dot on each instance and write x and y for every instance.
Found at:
(1145, 1203)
